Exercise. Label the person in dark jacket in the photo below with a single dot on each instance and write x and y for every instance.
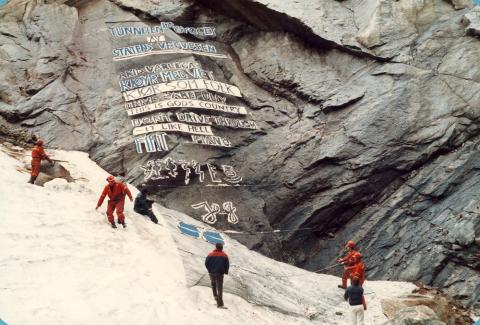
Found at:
(217, 264)
(354, 295)
(143, 205)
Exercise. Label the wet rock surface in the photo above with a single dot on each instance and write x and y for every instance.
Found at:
(368, 112)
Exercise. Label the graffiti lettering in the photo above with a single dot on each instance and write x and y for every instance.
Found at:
(159, 67)
(152, 142)
(166, 104)
(178, 85)
(217, 120)
(167, 47)
(153, 39)
(121, 31)
(152, 171)
(164, 76)
(211, 140)
(152, 119)
(173, 127)
(212, 170)
(213, 210)
(231, 175)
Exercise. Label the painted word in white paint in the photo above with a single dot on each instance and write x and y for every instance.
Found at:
(179, 85)
(174, 127)
(211, 140)
(153, 143)
(213, 210)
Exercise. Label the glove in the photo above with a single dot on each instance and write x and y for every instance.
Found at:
(97, 207)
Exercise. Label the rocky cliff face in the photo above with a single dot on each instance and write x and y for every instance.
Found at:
(368, 117)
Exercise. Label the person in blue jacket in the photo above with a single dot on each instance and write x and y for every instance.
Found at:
(143, 205)
(217, 264)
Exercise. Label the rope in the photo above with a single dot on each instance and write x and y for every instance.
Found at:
(266, 232)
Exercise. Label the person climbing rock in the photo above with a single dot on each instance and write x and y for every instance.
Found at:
(348, 261)
(143, 205)
(116, 192)
(38, 154)
(217, 264)
(356, 299)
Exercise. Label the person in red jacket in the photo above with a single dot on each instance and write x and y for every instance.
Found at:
(116, 192)
(38, 154)
(348, 261)
(217, 264)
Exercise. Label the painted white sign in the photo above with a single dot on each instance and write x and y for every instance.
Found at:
(152, 142)
(167, 47)
(151, 119)
(211, 140)
(154, 68)
(165, 169)
(190, 117)
(178, 103)
(213, 210)
(178, 85)
(174, 127)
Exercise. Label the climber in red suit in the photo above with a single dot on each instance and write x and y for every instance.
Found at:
(358, 269)
(116, 192)
(38, 154)
(348, 261)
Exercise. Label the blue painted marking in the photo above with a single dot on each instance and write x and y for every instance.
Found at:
(213, 237)
(189, 230)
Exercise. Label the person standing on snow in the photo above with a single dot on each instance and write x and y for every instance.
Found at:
(348, 261)
(38, 154)
(217, 264)
(356, 299)
(116, 192)
(143, 205)
(358, 268)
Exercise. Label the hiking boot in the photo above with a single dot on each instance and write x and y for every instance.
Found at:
(123, 224)
(114, 225)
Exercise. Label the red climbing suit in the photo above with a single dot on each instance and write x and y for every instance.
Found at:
(38, 154)
(116, 193)
(358, 269)
(349, 261)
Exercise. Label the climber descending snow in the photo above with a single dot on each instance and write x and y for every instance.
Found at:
(38, 154)
(116, 192)
(353, 265)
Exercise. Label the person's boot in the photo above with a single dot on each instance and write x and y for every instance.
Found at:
(114, 225)
(123, 224)
(32, 179)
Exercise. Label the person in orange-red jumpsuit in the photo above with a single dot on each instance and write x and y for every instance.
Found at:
(116, 192)
(358, 269)
(38, 154)
(348, 261)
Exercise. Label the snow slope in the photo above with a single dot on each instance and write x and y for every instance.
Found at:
(61, 263)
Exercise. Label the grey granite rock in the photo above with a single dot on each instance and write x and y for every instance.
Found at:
(368, 115)
(472, 20)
